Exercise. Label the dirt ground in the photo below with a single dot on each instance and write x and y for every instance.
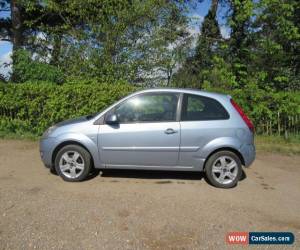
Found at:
(138, 209)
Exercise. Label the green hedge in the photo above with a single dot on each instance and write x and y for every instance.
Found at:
(271, 112)
(29, 108)
(32, 107)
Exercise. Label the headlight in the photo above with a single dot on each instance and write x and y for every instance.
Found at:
(49, 131)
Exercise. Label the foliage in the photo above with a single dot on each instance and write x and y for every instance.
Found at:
(263, 48)
(111, 39)
(208, 43)
(277, 44)
(32, 107)
(28, 69)
(271, 112)
(148, 43)
(207, 53)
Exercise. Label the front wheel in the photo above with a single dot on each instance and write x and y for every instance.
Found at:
(73, 163)
(223, 169)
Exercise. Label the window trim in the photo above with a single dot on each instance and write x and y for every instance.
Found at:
(181, 110)
(177, 116)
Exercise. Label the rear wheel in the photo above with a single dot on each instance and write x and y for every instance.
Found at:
(73, 163)
(223, 169)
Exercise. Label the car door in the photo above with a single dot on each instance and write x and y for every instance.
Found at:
(147, 132)
(203, 119)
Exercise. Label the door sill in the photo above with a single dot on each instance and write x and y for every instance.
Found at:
(170, 168)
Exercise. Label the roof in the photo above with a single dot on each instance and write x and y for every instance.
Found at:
(185, 90)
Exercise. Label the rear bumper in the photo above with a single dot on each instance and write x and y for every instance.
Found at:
(248, 152)
(47, 146)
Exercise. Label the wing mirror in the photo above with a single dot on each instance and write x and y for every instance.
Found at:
(111, 119)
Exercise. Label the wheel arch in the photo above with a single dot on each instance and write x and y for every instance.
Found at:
(69, 142)
(233, 150)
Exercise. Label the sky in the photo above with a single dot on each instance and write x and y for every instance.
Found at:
(197, 12)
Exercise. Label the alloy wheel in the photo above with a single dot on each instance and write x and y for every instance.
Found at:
(71, 164)
(225, 170)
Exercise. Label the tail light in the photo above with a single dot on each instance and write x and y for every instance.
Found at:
(243, 115)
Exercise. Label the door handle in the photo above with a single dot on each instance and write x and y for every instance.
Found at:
(170, 131)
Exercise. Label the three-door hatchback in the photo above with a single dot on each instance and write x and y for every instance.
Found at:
(157, 129)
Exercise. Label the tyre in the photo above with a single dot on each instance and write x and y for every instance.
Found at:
(73, 163)
(223, 169)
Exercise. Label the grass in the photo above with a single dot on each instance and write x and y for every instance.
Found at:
(15, 136)
(278, 144)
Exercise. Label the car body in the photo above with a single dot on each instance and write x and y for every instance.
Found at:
(159, 129)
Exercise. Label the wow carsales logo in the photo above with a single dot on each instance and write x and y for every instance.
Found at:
(245, 238)
(237, 238)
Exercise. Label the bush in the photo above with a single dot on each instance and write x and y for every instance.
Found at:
(32, 107)
(27, 69)
(271, 112)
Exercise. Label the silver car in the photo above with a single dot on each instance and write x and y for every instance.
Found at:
(157, 129)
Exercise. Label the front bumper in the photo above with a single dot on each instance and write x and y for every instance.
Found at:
(47, 146)
(248, 152)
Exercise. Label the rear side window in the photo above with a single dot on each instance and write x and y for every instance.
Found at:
(200, 108)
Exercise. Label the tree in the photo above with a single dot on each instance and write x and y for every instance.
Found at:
(109, 39)
(208, 47)
(17, 27)
(12, 28)
(277, 44)
(209, 39)
(239, 52)
(5, 22)
(167, 46)
(123, 39)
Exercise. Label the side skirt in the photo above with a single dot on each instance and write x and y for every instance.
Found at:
(142, 167)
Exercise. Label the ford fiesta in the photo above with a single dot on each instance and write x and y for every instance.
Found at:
(157, 129)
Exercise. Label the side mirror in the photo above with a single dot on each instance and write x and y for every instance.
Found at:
(111, 119)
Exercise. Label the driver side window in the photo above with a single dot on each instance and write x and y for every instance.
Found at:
(154, 107)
